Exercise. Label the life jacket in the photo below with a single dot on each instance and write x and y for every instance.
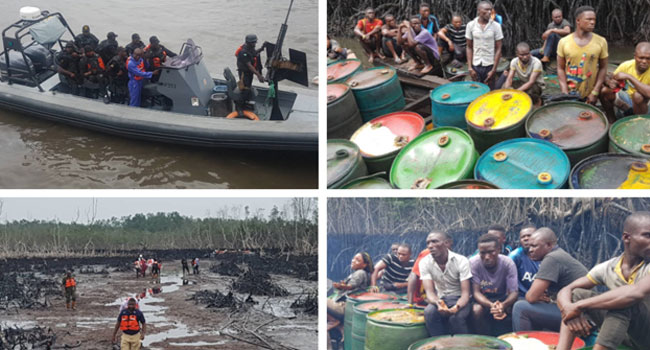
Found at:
(158, 58)
(100, 63)
(129, 323)
(255, 61)
(136, 77)
(70, 282)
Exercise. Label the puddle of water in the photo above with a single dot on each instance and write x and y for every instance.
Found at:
(181, 331)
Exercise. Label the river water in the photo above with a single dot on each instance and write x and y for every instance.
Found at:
(41, 154)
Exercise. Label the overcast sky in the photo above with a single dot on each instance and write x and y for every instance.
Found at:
(69, 209)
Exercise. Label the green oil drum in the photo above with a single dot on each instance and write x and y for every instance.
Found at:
(340, 71)
(394, 329)
(461, 341)
(434, 158)
(352, 300)
(370, 182)
(579, 129)
(343, 116)
(611, 171)
(381, 139)
(497, 116)
(361, 310)
(631, 135)
(344, 163)
(469, 184)
(377, 91)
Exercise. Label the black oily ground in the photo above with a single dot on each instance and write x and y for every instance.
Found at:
(258, 283)
(32, 338)
(308, 303)
(304, 267)
(26, 291)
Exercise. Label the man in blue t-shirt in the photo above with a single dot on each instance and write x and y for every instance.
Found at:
(429, 21)
(131, 322)
(526, 267)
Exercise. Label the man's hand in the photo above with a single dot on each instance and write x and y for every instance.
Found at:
(260, 78)
(473, 73)
(490, 75)
(374, 289)
(570, 311)
(141, 336)
(443, 309)
(546, 34)
(451, 46)
(620, 76)
(579, 326)
(592, 99)
(497, 311)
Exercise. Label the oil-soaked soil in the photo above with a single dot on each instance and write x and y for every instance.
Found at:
(175, 318)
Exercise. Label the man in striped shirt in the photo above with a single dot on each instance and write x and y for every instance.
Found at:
(452, 39)
(397, 269)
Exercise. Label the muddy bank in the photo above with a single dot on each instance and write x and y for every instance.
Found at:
(174, 319)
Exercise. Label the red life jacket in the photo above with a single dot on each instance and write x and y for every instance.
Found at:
(159, 58)
(70, 282)
(129, 323)
(136, 77)
(254, 58)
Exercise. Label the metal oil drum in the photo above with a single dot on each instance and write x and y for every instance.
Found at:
(370, 182)
(394, 329)
(340, 71)
(450, 101)
(461, 341)
(524, 164)
(611, 171)
(361, 310)
(469, 184)
(631, 135)
(548, 338)
(343, 116)
(381, 139)
(497, 116)
(351, 301)
(433, 159)
(377, 91)
(344, 163)
(579, 129)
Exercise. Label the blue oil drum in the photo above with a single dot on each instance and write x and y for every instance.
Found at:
(377, 91)
(450, 101)
(524, 163)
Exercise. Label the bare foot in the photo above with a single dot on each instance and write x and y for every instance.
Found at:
(397, 60)
(381, 55)
(426, 69)
(371, 58)
(545, 59)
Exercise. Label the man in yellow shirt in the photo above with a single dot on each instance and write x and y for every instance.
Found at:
(582, 58)
(634, 99)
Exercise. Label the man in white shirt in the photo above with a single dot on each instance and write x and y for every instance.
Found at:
(484, 39)
(446, 279)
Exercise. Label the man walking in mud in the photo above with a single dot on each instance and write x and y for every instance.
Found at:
(131, 322)
(69, 290)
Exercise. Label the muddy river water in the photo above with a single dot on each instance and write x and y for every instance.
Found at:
(41, 154)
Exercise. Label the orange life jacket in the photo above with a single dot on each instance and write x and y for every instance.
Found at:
(136, 77)
(239, 50)
(158, 59)
(129, 323)
(70, 282)
(100, 63)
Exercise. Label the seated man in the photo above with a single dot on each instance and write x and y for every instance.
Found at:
(529, 73)
(428, 20)
(335, 51)
(557, 270)
(494, 286)
(419, 44)
(526, 267)
(390, 32)
(155, 55)
(500, 232)
(396, 267)
(446, 280)
(627, 269)
(452, 39)
(555, 31)
(618, 101)
(368, 29)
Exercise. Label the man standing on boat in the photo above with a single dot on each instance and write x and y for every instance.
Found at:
(86, 38)
(249, 63)
(135, 43)
(484, 40)
(68, 68)
(137, 74)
